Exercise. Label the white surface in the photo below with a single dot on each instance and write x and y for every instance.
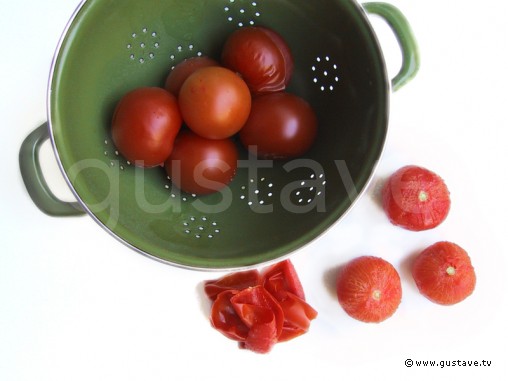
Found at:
(77, 305)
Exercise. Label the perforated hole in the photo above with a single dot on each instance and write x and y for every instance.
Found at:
(142, 45)
(242, 13)
(115, 158)
(200, 227)
(258, 192)
(182, 52)
(309, 189)
(325, 73)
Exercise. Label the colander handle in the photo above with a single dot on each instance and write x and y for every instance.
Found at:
(402, 30)
(32, 175)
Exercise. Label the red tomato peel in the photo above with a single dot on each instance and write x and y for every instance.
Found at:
(224, 318)
(235, 281)
(297, 317)
(280, 279)
(262, 314)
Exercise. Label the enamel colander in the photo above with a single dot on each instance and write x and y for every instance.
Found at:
(271, 208)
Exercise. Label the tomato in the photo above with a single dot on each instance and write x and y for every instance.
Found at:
(145, 124)
(416, 198)
(201, 166)
(369, 289)
(444, 274)
(261, 56)
(233, 281)
(183, 70)
(280, 126)
(215, 102)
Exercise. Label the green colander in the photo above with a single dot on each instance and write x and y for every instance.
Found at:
(271, 208)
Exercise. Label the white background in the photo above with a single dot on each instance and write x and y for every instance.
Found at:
(77, 305)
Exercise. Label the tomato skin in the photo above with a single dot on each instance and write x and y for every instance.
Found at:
(262, 314)
(234, 281)
(201, 166)
(416, 198)
(261, 56)
(280, 279)
(145, 124)
(183, 70)
(251, 316)
(297, 317)
(266, 308)
(215, 102)
(280, 126)
(224, 318)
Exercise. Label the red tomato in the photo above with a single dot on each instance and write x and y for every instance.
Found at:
(201, 166)
(234, 281)
(215, 102)
(145, 124)
(416, 199)
(183, 70)
(444, 274)
(369, 289)
(261, 56)
(280, 126)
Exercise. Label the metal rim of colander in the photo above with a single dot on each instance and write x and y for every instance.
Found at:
(89, 212)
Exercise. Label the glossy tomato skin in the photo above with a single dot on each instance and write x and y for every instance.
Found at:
(262, 314)
(280, 126)
(261, 56)
(224, 318)
(281, 278)
(215, 102)
(183, 70)
(260, 309)
(201, 166)
(234, 281)
(145, 124)
(283, 283)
